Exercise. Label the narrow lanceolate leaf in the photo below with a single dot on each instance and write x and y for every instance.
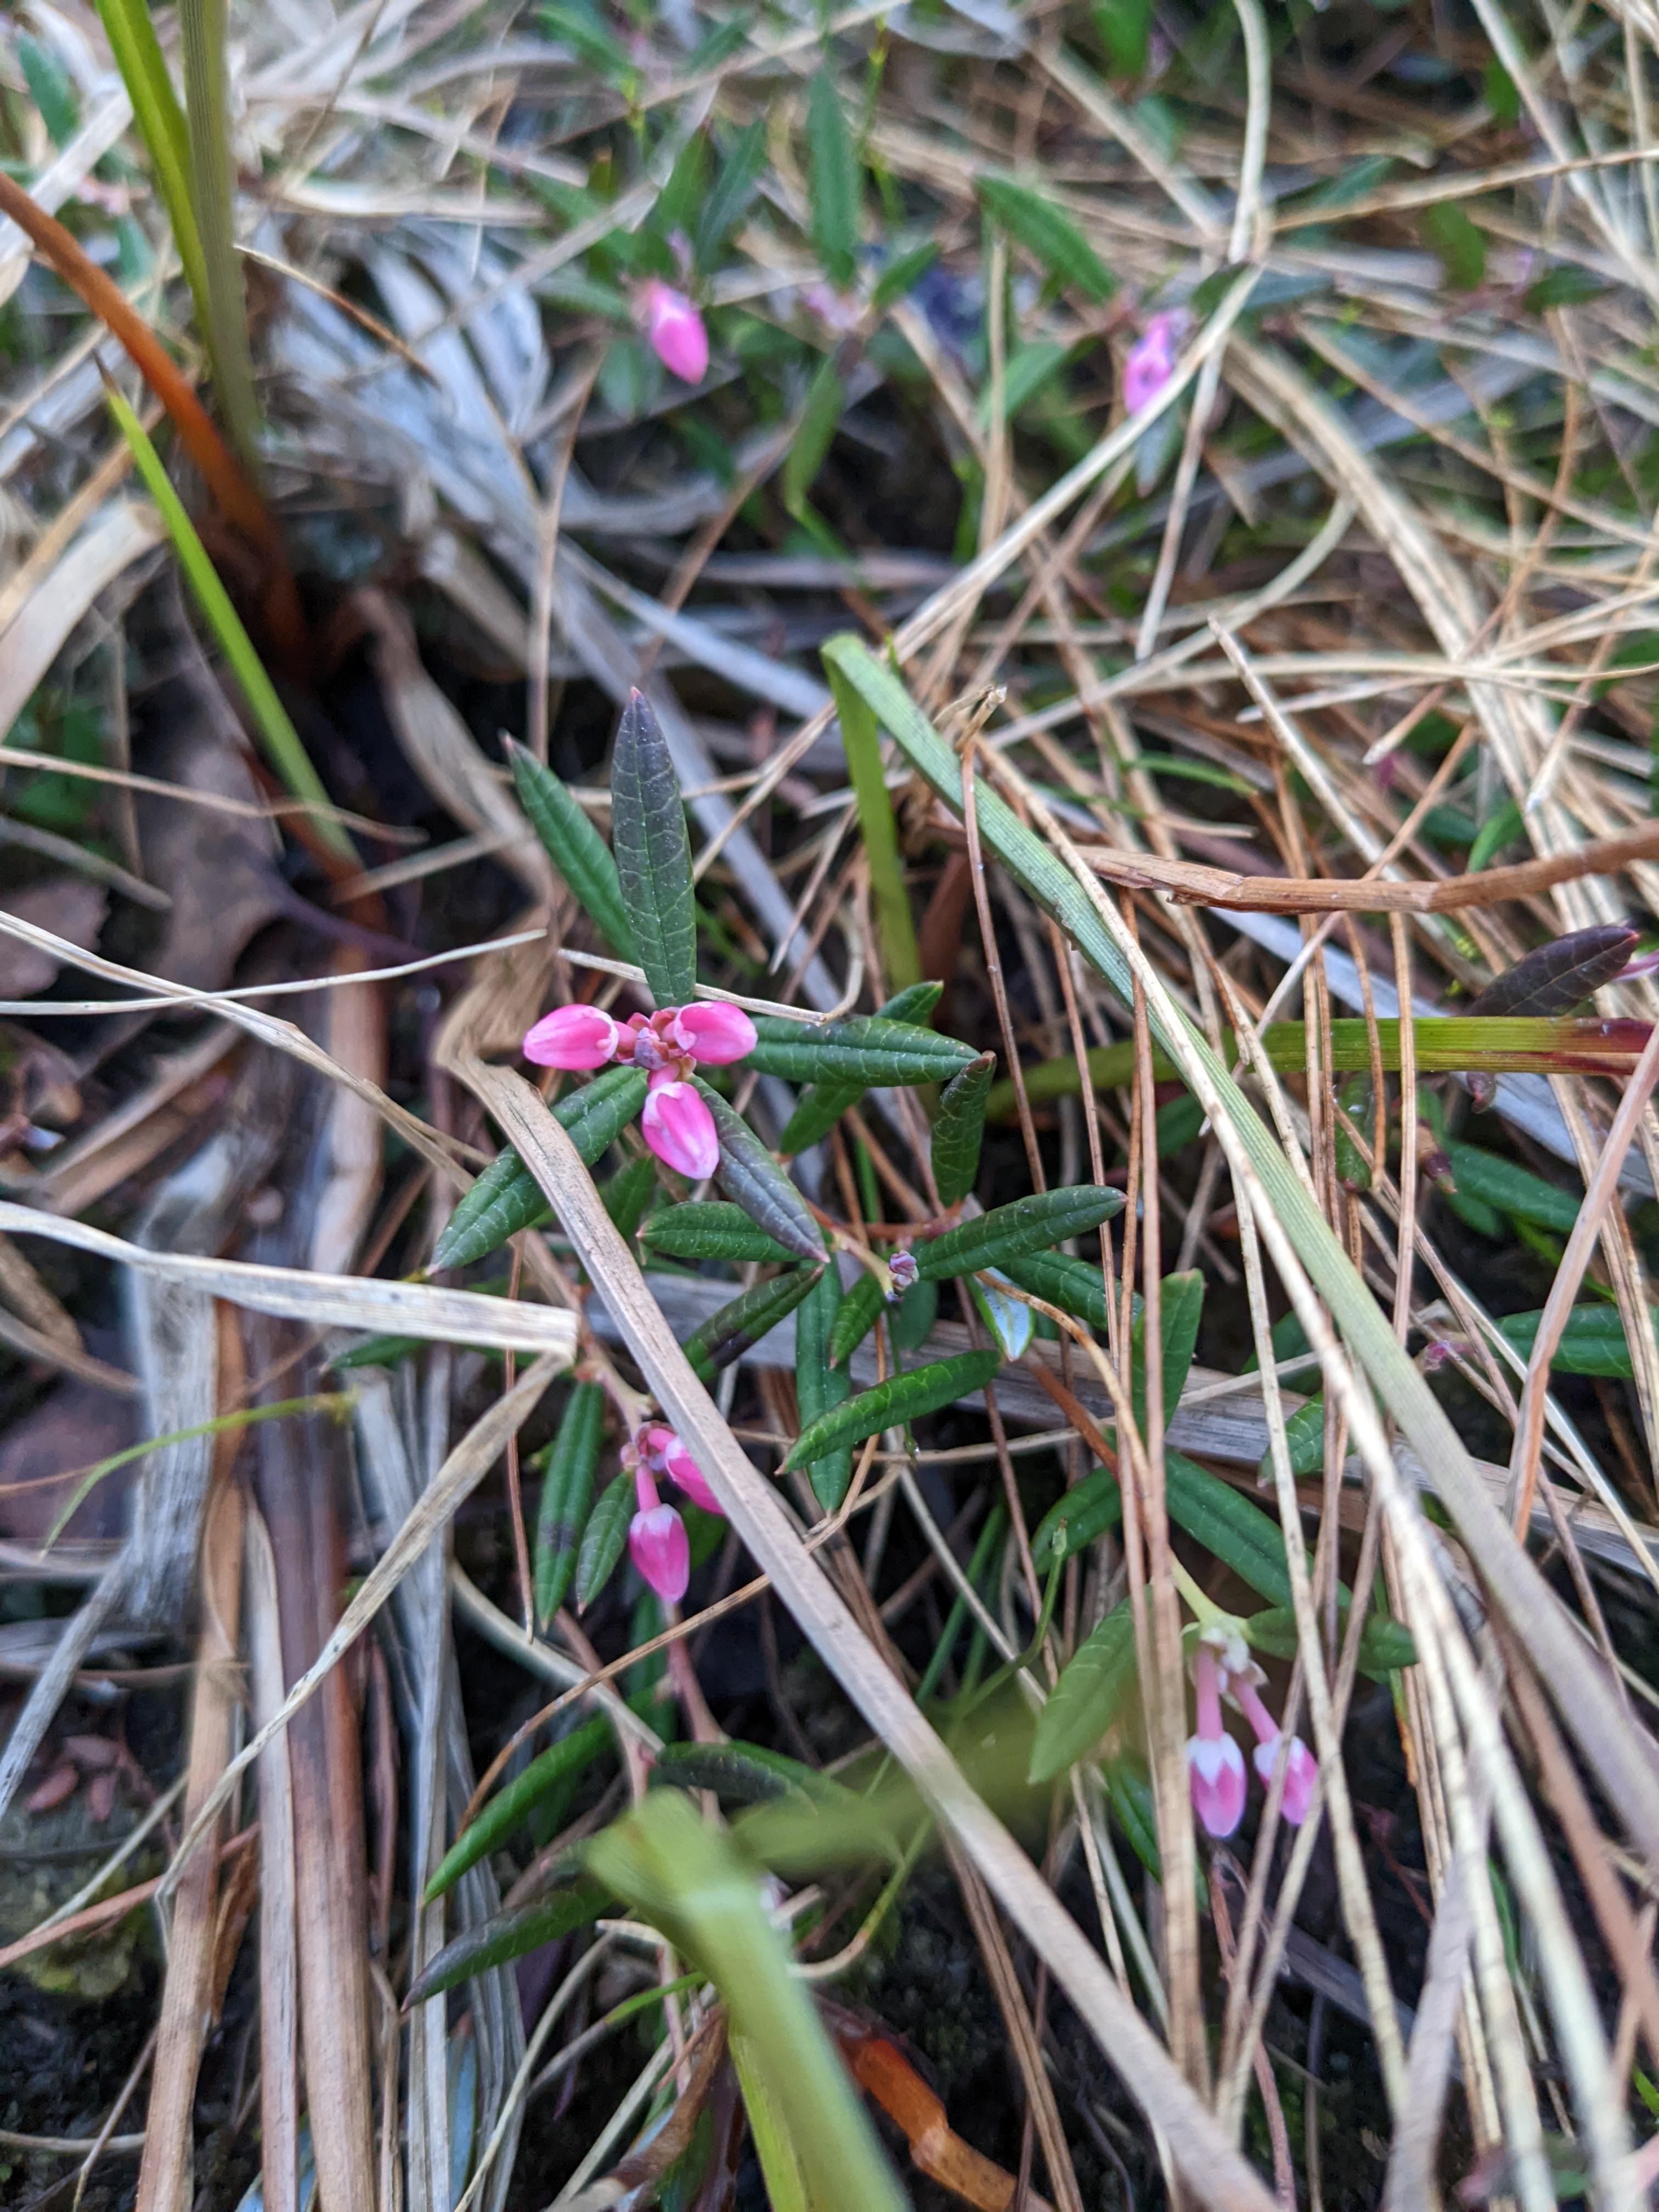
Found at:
(1240, 1535)
(1087, 1511)
(509, 1936)
(507, 1197)
(819, 421)
(628, 1194)
(710, 1228)
(1304, 1437)
(574, 847)
(901, 1398)
(1592, 1343)
(749, 1174)
(741, 1773)
(1385, 1644)
(567, 1495)
(1560, 976)
(1180, 1304)
(855, 1320)
(603, 1539)
(1513, 1189)
(1008, 1232)
(832, 181)
(959, 1129)
(819, 1386)
(864, 1048)
(741, 1324)
(1008, 1319)
(1050, 237)
(819, 1108)
(1083, 1703)
(509, 1808)
(1073, 1286)
(1129, 1787)
(653, 855)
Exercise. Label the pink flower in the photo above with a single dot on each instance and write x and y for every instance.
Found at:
(903, 1270)
(680, 1129)
(573, 1037)
(661, 1550)
(674, 330)
(1215, 1763)
(713, 1032)
(1151, 362)
(1303, 1767)
(661, 1450)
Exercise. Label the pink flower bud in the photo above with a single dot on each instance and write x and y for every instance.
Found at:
(1299, 1780)
(1150, 363)
(680, 1129)
(680, 1467)
(676, 331)
(661, 1551)
(1215, 1763)
(712, 1032)
(903, 1270)
(575, 1037)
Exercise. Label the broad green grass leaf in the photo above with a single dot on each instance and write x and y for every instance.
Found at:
(506, 1197)
(567, 1495)
(1082, 1704)
(603, 1539)
(743, 1321)
(1009, 1232)
(819, 1386)
(749, 1174)
(574, 847)
(1050, 237)
(960, 1128)
(653, 855)
(901, 1398)
(832, 181)
(509, 1808)
(862, 1048)
(710, 1229)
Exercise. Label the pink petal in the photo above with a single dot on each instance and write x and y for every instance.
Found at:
(1149, 364)
(675, 330)
(661, 1551)
(680, 1130)
(575, 1037)
(682, 1468)
(713, 1032)
(1216, 1771)
(1299, 1780)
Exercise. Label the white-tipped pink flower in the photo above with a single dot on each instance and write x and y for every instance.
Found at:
(1304, 1768)
(662, 1451)
(713, 1032)
(680, 1129)
(1151, 362)
(1215, 1763)
(574, 1037)
(675, 330)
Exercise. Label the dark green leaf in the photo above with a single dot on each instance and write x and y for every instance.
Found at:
(1357, 1100)
(1558, 977)
(582, 30)
(1009, 1232)
(1178, 1123)
(901, 1398)
(911, 1321)
(749, 1174)
(1515, 1190)
(1566, 287)
(822, 1106)
(1049, 236)
(1129, 1787)
(710, 1228)
(686, 190)
(50, 87)
(832, 181)
(819, 1386)
(567, 1495)
(1240, 1535)
(1458, 243)
(902, 274)
(1385, 1643)
(1087, 1511)
(509, 1936)
(739, 1774)
(727, 1334)
(603, 1539)
(509, 1808)
(574, 847)
(863, 1049)
(628, 1194)
(1592, 1343)
(1304, 1435)
(1124, 27)
(856, 1318)
(734, 187)
(506, 1197)
(1181, 1306)
(1082, 1704)
(959, 1129)
(820, 419)
(1501, 92)
(653, 855)
(1073, 1286)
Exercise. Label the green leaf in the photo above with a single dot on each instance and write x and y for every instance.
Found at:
(1238, 1534)
(653, 855)
(739, 1774)
(1088, 1510)
(1592, 1343)
(567, 1495)
(1129, 1787)
(1385, 1644)
(856, 1317)
(743, 1321)
(1512, 1189)
(734, 187)
(1049, 236)
(709, 1230)
(627, 1194)
(1498, 830)
(863, 1049)
(910, 1322)
(574, 847)
(1181, 1306)
(1458, 245)
(603, 1539)
(903, 274)
(1009, 1232)
(1009, 1320)
(959, 1129)
(508, 1935)
(1124, 27)
(511, 1807)
(1501, 93)
(1304, 1435)
(506, 1197)
(832, 181)
(901, 1398)
(50, 87)
(819, 1108)
(820, 419)
(1029, 367)
(1073, 1286)
(1566, 287)
(819, 1386)
(1084, 1702)
(1357, 1100)
(861, 742)
(749, 1174)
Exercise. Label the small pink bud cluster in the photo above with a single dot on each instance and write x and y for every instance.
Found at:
(1222, 1668)
(1151, 362)
(668, 1045)
(656, 1535)
(674, 330)
(904, 1271)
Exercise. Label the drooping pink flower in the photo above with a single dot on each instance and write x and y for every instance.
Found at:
(574, 1037)
(712, 1031)
(1304, 1768)
(675, 330)
(1215, 1763)
(661, 1550)
(1151, 362)
(680, 1128)
(664, 1453)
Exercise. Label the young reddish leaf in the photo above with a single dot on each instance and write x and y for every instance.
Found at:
(1560, 976)
(901, 1398)
(653, 855)
(567, 1495)
(749, 1174)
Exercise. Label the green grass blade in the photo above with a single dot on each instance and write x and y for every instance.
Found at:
(163, 127)
(221, 309)
(862, 740)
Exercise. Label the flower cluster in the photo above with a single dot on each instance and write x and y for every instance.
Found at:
(1222, 1667)
(668, 1045)
(656, 1535)
(1151, 362)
